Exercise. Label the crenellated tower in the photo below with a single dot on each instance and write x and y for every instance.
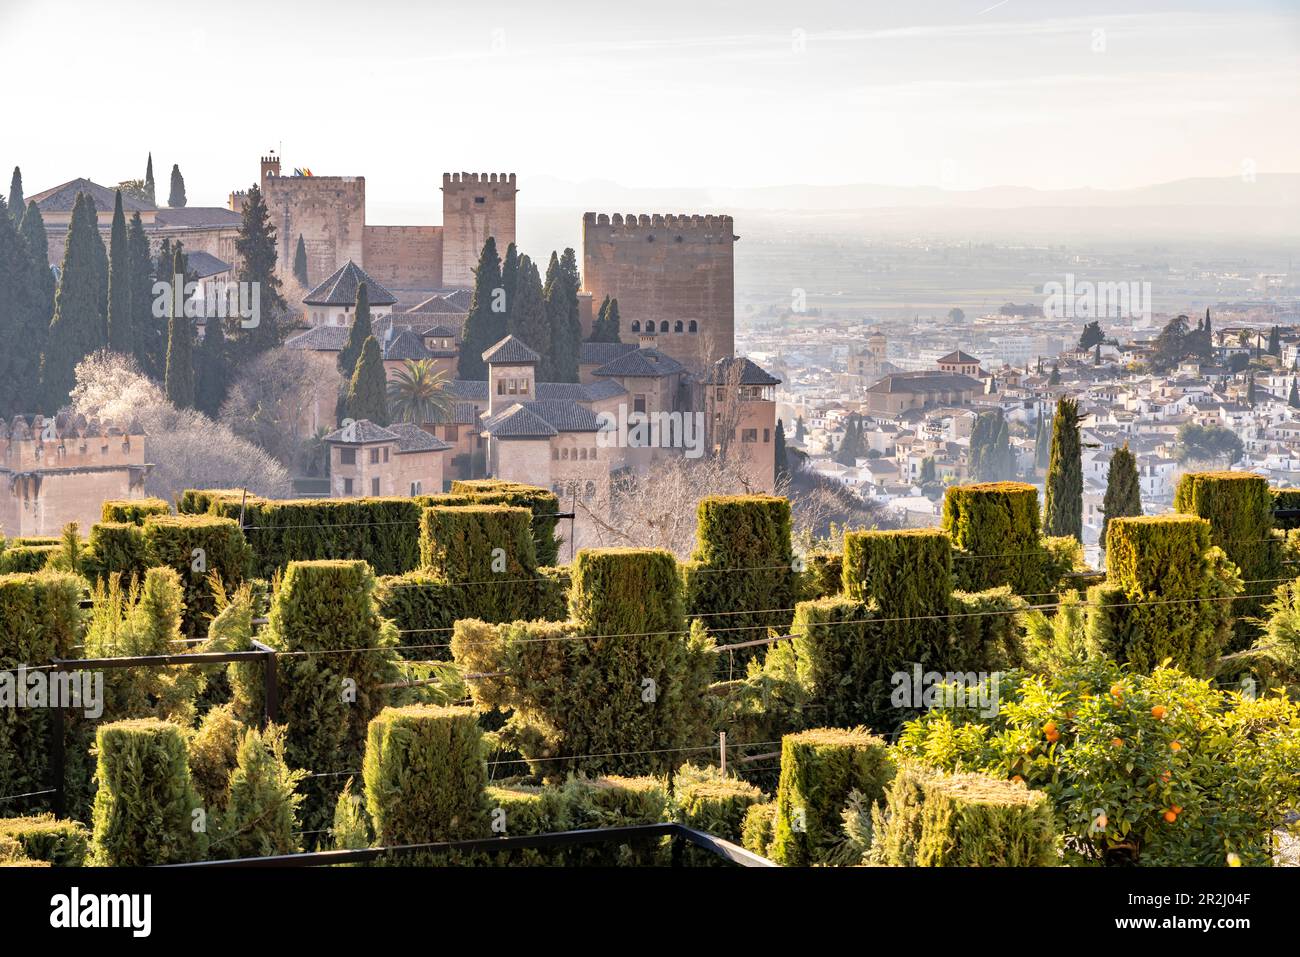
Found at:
(474, 207)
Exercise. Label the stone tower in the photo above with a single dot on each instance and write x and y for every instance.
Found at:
(474, 207)
(672, 276)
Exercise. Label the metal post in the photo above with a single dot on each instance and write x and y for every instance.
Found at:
(722, 750)
(270, 684)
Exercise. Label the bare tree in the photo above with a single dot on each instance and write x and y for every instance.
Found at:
(276, 401)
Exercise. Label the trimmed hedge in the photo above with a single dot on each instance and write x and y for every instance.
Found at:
(486, 549)
(134, 511)
(824, 574)
(40, 619)
(541, 502)
(425, 774)
(931, 819)
(197, 547)
(819, 769)
(24, 559)
(614, 801)
(325, 615)
(757, 830)
(625, 675)
(143, 813)
(45, 838)
(1288, 498)
(997, 531)
(1166, 594)
(117, 548)
(709, 801)
(743, 562)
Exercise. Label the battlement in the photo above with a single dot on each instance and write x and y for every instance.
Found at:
(66, 441)
(696, 225)
(477, 179)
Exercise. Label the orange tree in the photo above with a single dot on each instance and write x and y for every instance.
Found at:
(1159, 769)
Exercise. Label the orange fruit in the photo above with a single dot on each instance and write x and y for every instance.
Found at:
(1050, 731)
(1176, 809)
(1164, 776)
(1158, 712)
(1170, 816)
(1175, 746)
(1117, 690)
(1017, 779)
(1117, 742)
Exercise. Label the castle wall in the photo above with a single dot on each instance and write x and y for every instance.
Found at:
(474, 207)
(46, 485)
(666, 269)
(404, 257)
(330, 214)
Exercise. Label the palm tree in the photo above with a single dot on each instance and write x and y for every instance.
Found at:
(417, 393)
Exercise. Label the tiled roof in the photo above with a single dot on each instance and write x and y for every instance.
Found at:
(412, 438)
(750, 374)
(565, 416)
(647, 363)
(363, 432)
(340, 289)
(321, 339)
(603, 389)
(437, 305)
(518, 422)
(205, 265)
(598, 353)
(461, 298)
(195, 217)
(913, 382)
(542, 419)
(405, 345)
(470, 388)
(561, 392)
(61, 198)
(439, 332)
(958, 356)
(511, 351)
(464, 413)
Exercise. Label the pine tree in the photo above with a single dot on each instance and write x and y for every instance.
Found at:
(528, 316)
(179, 381)
(256, 250)
(482, 322)
(1123, 490)
(212, 369)
(176, 197)
(1063, 505)
(148, 182)
(510, 281)
(77, 328)
(149, 335)
(1092, 335)
(368, 390)
(300, 263)
(780, 455)
(120, 320)
(16, 205)
(358, 333)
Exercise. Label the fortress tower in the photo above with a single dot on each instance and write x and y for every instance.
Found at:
(672, 275)
(474, 207)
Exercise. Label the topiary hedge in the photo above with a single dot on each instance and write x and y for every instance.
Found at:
(24, 559)
(335, 657)
(488, 551)
(743, 562)
(819, 769)
(40, 619)
(425, 774)
(134, 511)
(620, 684)
(1167, 594)
(117, 548)
(198, 547)
(707, 800)
(45, 838)
(997, 531)
(145, 801)
(758, 827)
(543, 503)
(931, 819)
(1285, 498)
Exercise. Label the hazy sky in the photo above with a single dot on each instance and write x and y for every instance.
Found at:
(963, 93)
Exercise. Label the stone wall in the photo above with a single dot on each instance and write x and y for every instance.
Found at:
(404, 257)
(474, 207)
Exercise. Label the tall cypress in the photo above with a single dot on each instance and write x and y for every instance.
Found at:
(42, 287)
(120, 321)
(561, 295)
(179, 380)
(212, 369)
(148, 182)
(1123, 490)
(780, 458)
(482, 324)
(18, 304)
(358, 333)
(368, 390)
(528, 317)
(1063, 505)
(77, 328)
(300, 263)
(149, 332)
(16, 205)
(256, 249)
(176, 196)
(509, 282)
(598, 324)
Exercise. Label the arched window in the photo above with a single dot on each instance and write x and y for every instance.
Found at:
(663, 326)
(636, 325)
(694, 326)
(582, 455)
(677, 327)
(564, 454)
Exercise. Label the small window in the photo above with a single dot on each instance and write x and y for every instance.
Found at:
(417, 488)
(347, 486)
(374, 485)
(347, 456)
(638, 403)
(374, 456)
(636, 325)
(523, 386)
(767, 436)
(501, 386)
(693, 326)
(749, 435)
(663, 326)
(480, 200)
(677, 326)
(385, 453)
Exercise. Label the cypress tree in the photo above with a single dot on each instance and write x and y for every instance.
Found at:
(510, 281)
(781, 458)
(1293, 399)
(120, 321)
(1042, 440)
(561, 293)
(17, 304)
(77, 328)
(800, 430)
(481, 325)
(358, 333)
(149, 335)
(176, 197)
(212, 372)
(1250, 391)
(1123, 490)
(148, 182)
(1063, 505)
(528, 316)
(40, 287)
(1275, 342)
(179, 381)
(1055, 377)
(599, 324)
(16, 205)
(255, 247)
(612, 332)
(300, 263)
(368, 390)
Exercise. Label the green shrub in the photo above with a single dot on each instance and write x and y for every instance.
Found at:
(986, 631)
(552, 593)
(823, 574)
(44, 838)
(758, 828)
(624, 678)
(133, 511)
(40, 619)
(907, 576)
(996, 529)
(24, 559)
(425, 775)
(1167, 594)
(145, 802)
(351, 830)
(213, 753)
(819, 769)
(709, 801)
(932, 819)
(260, 818)
(742, 568)
(1160, 769)
(117, 548)
(613, 801)
(198, 547)
(335, 657)
(1288, 498)
(488, 546)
